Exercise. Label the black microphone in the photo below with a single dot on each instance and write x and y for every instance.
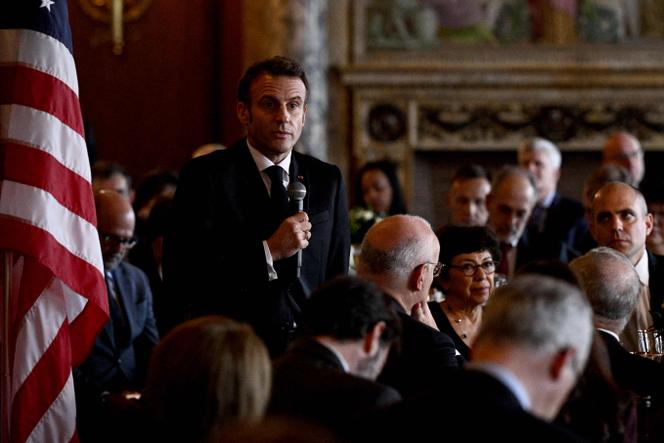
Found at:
(296, 193)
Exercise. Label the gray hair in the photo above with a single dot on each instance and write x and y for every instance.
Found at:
(398, 262)
(511, 170)
(610, 282)
(539, 313)
(542, 145)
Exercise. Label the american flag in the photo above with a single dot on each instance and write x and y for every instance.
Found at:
(57, 300)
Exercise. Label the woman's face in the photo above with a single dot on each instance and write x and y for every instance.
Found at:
(376, 190)
(474, 290)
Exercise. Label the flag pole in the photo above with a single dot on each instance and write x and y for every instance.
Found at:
(4, 343)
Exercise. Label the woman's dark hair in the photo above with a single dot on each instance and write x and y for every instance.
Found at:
(398, 206)
(455, 240)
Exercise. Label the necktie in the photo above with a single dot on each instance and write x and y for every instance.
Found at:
(278, 196)
(537, 218)
(115, 310)
(504, 267)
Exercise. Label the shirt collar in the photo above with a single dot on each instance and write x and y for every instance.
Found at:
(262, 162)
(507, 378)
(611, 333)
(548, 200)
(642, 269)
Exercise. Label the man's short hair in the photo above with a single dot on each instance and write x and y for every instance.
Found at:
(509, 171)
(275, 66)
(611, 294)
(397, 263)
(539, 313)
(541, 145)
(106, 169)
(347, 308)
(470, 171)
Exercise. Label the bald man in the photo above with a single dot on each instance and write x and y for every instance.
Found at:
(620, 220)
(400, 255)
(623, 149)
(119, 357)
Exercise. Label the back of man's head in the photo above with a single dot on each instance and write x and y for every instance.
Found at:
(538, 313)
(393, 248)
(611, 285)
(348, 308)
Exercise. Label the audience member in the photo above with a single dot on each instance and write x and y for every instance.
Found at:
(378, 188)
(235, 245)
(205, 374)
(466, 198)
(513, 195)
(623, 149)
(532, 345)
(109, 175)
(469, 256)
(327, 376)
(554, 215)
(400, 255)
(119, 356)
(621, 221)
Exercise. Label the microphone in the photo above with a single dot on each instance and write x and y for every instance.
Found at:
(296, 193)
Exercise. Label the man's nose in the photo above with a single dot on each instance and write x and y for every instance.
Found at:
(282, 114)
(616, 223)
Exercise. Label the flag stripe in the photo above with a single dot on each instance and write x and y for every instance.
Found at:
(39, 209)
(69, 189)
(61, 426)
(39, 51)
(41, 130)
(41, 91)
(34, 396)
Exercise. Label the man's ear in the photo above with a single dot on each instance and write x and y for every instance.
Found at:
(371, 342)
(304, 113)
(649, 223)
(243, 113)
(562, 359)
(417, 277)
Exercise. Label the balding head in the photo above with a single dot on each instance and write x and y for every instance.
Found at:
(512, 198)
(611, 285)
(624, 149)
(620, 219)
(399, 254)
(115, 223)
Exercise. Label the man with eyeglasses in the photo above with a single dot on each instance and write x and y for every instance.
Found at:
(400, 255)
(623, 149)
(118, 360)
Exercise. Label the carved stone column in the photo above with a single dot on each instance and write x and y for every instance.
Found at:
(295, 29)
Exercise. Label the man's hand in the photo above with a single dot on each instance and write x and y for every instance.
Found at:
(292, 235)
(422, 313)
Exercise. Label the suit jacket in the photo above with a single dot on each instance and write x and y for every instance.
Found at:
(464, 406)
(309, 381)
(423, 351)
(552, 241)
(633, 373)
(214, 261)
(656, 285)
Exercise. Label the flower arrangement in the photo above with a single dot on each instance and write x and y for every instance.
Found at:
(361, 219)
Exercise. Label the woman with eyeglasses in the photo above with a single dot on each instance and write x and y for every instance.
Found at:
(469, 256)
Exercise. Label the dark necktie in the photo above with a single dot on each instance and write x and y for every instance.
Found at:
(115, 310)
(538, 218)
(504, 267)
(278, 196)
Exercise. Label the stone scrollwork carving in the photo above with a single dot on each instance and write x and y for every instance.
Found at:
(386, 123)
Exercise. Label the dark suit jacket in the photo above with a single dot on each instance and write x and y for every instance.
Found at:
(656, 285)
(309, 382)
(423, 353)
(463, 406)
(214, 261)
(553, 241)
(637, 374)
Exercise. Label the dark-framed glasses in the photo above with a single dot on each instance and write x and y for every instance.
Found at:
(437, 267)
(469, 269)
(112, 239)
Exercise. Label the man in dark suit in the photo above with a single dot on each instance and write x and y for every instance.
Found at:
(613, 287)
(620, 220)
(400, 255)
(327, 376)
(234, 243)
(119, 357)
(532, 345)
(554, 215)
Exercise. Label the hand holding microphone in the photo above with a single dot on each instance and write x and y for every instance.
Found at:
(294, 232)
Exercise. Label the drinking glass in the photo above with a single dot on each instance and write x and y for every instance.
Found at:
(650, 344)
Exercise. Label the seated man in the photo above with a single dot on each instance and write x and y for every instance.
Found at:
(533, 344)
(119, 357)
(467, 196)
(328, 376)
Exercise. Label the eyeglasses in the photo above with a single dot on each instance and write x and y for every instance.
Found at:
(469, 269)
(115, 240)
(437, 267)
